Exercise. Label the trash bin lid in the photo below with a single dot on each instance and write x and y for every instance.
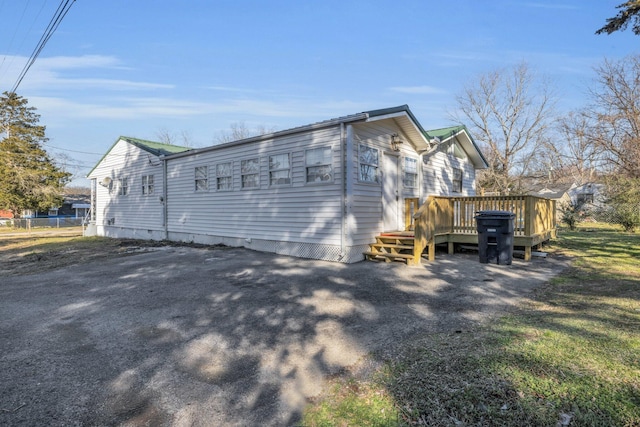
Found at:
(495, 214)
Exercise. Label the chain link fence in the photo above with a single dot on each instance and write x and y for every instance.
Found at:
(28, 223)
(618, 215)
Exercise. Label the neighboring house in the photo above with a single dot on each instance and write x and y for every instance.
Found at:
(590, 194)
(76, 206)
(559, 194)
(319, 191)
(5, 217)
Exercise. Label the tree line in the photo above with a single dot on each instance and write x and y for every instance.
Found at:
(511, 114)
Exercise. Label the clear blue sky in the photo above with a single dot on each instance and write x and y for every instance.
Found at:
(136, 67)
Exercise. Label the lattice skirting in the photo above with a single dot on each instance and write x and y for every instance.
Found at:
(302, 250)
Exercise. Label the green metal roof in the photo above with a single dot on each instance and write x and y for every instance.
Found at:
(155, 148)
(445, 133)
(152, 147)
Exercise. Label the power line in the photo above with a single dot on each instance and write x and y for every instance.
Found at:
(61, 12)
(74, 151)
(13, 57)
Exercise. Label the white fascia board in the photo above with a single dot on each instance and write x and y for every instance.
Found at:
(408, 126)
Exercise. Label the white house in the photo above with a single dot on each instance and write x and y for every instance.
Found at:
(320, 191)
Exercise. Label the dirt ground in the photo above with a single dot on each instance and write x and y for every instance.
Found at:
(207, 336)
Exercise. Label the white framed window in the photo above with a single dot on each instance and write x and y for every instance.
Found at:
(201, 178)
(53, 212)
(318, 165)
(368, 159)
(147, 185)
(410, 178)
(456, 151)
(250, 173)
(457, 180)
(279, 169)
(123, 186)
(224, 176)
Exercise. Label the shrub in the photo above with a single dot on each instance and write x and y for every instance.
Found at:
(571, 214)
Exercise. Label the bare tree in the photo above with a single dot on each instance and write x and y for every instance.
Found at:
(509, 112)
(615, 113)
(238, 131)
(183, 138)
(572, 155)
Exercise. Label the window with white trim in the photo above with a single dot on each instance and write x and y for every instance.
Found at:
(368, 159)
(318, 164)
(410, 178)
(250, 173)
(123, 186)
(279, 169)
(456, 151)
(457, 180)
(224, 176)
(147, 185)
(201, 174)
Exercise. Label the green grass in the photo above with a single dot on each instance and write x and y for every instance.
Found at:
(571, 353)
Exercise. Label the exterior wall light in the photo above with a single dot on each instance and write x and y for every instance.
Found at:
(396, 141)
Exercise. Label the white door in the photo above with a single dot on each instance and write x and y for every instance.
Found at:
(390, 196)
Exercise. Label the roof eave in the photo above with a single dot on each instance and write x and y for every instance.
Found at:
(287, 132)
(470, 147)
(405, 119)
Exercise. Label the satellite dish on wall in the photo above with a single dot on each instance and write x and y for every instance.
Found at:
(106, 181)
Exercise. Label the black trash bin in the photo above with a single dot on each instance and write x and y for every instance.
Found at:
(495, 236)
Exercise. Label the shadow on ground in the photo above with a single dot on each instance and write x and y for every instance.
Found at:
(223, 336)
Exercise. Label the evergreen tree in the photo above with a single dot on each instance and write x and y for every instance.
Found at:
(29, 179)
(629, 12)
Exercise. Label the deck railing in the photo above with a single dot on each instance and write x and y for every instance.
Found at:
(456, 215)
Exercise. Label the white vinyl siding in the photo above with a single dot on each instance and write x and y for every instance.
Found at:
(136, 213)
(94, 198)
(321, 196)
(366, 206)
(296, 212)
(438, 176)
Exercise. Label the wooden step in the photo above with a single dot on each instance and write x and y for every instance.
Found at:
(391, 245)
(386, 256)
(400, 240)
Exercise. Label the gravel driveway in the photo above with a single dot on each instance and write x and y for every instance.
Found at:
(182, 336)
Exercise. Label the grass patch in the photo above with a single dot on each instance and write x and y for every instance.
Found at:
(30, 252)
(568, 356)
(27, 253)
(353, 403)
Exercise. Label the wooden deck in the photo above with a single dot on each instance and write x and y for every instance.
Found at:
(451, 220)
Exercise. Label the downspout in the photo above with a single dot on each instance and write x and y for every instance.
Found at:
(343, 202)
(165, 222)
